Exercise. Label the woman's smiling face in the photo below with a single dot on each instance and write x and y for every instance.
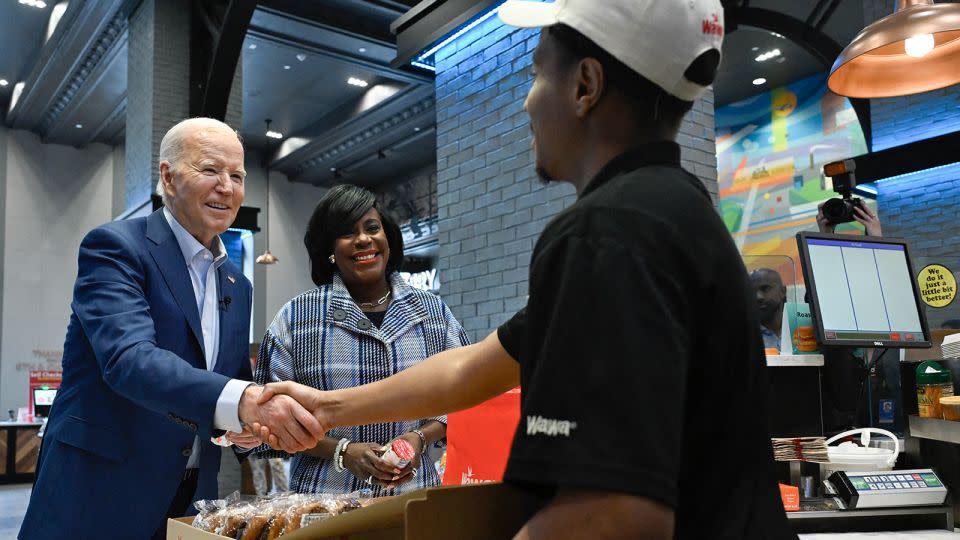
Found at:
(363, 252)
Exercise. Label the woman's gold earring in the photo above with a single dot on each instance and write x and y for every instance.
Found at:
(332, 259)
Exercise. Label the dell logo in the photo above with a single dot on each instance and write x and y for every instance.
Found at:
(878, 343)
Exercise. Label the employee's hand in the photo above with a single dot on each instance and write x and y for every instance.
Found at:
(308, 397)
(363, 461)
(291, 427)
(822, 223)
(868, 219)
(244, 439)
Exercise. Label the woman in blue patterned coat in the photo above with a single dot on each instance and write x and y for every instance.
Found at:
(362, 323)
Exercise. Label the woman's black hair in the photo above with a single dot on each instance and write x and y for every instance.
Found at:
(334, 216)
(650, 101)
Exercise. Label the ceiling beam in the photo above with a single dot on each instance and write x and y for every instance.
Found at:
(827, 14)
(217, 33)
(85, 33)
(336, 54)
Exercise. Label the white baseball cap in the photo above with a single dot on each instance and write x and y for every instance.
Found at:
(659, 39)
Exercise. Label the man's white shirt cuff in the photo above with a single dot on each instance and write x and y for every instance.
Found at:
(227, 415)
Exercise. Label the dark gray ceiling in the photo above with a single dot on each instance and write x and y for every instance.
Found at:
(22, 32)
(332, 130)
(741, 47)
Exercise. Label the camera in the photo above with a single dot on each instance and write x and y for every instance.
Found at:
(840, 209)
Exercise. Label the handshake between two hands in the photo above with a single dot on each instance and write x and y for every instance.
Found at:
(284, 415)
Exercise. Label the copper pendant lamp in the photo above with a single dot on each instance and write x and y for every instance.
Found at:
(267, 257)
(917, 49)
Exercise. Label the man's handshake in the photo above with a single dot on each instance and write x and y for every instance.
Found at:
(291, 428)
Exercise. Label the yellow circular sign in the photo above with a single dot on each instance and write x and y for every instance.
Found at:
(938, 287)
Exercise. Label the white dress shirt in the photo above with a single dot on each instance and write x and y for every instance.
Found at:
(202, 265)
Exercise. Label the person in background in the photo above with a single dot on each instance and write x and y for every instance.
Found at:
(771, 296)
(638, 353)
(361, 324)
(844, 368)
(861, 213)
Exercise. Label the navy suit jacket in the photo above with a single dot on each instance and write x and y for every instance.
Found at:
(135, 388)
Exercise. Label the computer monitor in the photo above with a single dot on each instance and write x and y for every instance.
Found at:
(43, 400)
(862, 291)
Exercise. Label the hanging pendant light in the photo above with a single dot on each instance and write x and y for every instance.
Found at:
(267, 257)
(917, 49)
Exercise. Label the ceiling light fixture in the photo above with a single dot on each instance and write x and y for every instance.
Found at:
(768, 55)
(252, 46)
(916, 49)
(357, 82)
(758, 81)
(274, 134)
(4, 82)
(301, 57)
(362, 49)
(39, 4)
(78, 126)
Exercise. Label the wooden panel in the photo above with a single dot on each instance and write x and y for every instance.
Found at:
(28, 448)
(3, 450)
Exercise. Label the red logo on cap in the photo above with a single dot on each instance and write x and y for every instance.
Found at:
(713, 26)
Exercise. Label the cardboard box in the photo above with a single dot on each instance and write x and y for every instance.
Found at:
(475, 512)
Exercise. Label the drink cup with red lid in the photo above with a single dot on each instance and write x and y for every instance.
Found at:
(399, 454)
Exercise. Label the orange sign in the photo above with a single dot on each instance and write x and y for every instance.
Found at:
(478, 440)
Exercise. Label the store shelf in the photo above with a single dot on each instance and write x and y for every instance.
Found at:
(795, 360)
(935, 429)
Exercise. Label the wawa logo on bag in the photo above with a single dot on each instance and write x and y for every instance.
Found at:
(467, 478)
(551, 427)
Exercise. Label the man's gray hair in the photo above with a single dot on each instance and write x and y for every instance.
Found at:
(171, 146)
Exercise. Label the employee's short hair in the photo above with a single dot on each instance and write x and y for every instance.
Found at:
(334, 217)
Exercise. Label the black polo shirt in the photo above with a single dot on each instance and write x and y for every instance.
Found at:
(642, 366)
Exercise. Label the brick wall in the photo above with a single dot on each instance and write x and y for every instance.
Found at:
(918, 206)
(491, 207)
(158, 75)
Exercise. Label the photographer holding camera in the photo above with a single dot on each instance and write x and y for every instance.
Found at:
(845, 369)
(861, 214)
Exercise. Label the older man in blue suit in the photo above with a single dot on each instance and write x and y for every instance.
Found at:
(156, 358)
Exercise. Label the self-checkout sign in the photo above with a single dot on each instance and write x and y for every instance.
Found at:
(938, 286)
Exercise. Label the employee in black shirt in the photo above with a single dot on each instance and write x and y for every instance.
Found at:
(639, 355)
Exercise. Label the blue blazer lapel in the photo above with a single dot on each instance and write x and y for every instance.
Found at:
(166, 253)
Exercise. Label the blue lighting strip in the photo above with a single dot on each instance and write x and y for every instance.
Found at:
(421, 65)
(872, 185)
(425, 60)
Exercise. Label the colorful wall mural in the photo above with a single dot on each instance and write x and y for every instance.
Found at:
(770, 152)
